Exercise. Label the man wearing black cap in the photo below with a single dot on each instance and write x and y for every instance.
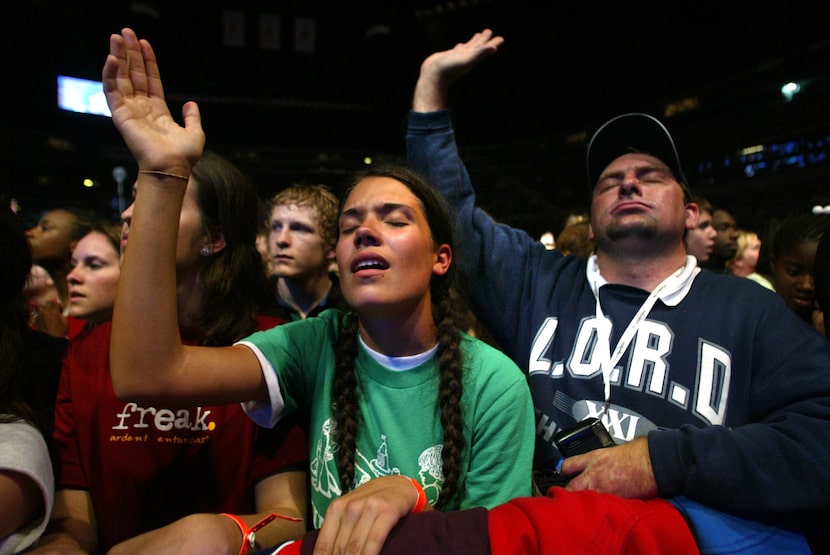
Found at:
(717, 397)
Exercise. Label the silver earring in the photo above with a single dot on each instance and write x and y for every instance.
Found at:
(206, 251)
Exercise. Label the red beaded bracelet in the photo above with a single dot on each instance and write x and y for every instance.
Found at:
(422, 496)
(249, 534)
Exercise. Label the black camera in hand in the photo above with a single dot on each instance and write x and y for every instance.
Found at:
(584, 436)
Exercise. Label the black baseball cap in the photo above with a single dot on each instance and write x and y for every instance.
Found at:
(634, 132)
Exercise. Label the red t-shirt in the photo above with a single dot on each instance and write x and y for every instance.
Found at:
(145, 465)
(74, 326)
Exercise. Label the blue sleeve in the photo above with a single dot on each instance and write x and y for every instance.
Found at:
(497, 263)
(776, 462)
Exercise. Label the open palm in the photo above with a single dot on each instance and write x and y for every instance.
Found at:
(134, 92)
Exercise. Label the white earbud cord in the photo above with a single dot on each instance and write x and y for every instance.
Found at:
(604, 329)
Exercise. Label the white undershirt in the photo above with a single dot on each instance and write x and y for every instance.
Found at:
(398, 364)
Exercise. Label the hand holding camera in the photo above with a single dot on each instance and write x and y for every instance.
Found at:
(584, 436)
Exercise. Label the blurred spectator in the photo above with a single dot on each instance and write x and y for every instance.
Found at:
(303, 234)
(792, 259)
(726, 241)
(52, 241)
(576, 239)
(745, 263)
(263, 248)
(96, 265)
(701, 240)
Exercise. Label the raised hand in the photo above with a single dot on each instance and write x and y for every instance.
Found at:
(132, 85)
(440, 69)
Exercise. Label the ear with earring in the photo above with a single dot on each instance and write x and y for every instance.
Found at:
(206, 251)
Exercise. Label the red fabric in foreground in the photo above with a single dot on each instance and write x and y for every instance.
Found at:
(588, 522)
(563, 522)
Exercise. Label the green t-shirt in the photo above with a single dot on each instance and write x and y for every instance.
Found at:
(400, 431)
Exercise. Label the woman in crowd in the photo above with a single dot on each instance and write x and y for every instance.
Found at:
(96, 265)
(52, 241)
(401, 403)
(153, 477)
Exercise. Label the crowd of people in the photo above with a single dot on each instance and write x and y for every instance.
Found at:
(394, 370)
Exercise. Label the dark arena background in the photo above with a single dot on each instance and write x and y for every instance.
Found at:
(310, 90)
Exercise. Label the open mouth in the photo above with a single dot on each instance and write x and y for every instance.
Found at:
(369, 263)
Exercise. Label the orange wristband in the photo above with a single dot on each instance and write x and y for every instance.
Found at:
(422, 496)
(249, 534)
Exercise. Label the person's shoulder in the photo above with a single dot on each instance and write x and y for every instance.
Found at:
(19, 434)
(41, 350)
(87, 354)
(730, 284)
(761, 280)
(327, 322)
(92, 337)
(23, 449)
(552, 261)
(38, 340)
(330, 315)
(490, 377)
(267, 321)
(725, 292)
(485, 357)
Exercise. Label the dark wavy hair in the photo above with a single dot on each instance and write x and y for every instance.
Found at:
(800, 227)
(347, 408)
(17, 263)
(233, 279)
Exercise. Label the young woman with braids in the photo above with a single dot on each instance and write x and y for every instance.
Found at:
(399, 401)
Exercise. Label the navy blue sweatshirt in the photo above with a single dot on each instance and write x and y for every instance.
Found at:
(731, 388)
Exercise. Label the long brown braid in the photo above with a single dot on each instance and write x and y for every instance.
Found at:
(346, 406)
(347, 409)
